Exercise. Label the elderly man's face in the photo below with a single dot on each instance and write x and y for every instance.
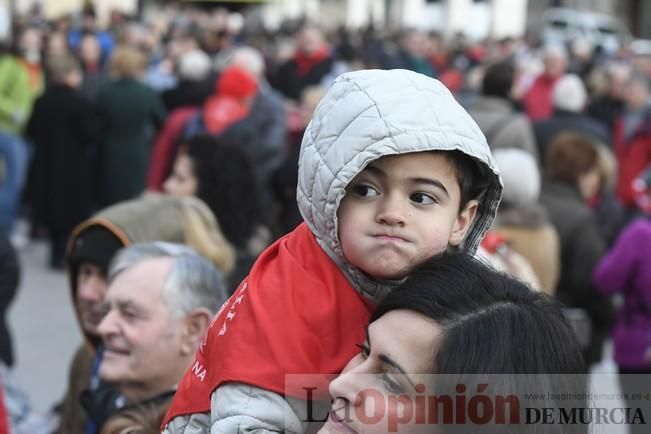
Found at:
(555, 64)
(141, 337)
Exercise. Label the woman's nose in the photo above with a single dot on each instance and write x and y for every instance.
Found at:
(351, 382)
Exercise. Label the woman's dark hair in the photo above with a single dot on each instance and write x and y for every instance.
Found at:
(227, 183)
(491, 324)
(498, 80)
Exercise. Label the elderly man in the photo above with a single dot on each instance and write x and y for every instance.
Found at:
(159, 303)
(537, 102)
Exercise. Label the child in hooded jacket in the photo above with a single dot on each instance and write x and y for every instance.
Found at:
(392, 172)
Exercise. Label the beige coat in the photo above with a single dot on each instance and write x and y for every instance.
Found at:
(528, 232)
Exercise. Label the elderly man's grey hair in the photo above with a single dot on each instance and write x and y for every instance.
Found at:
(193, 282)
(249, 59)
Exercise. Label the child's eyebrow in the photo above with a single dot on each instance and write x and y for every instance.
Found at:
(433, 182)
(418, 180)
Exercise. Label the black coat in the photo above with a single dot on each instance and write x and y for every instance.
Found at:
(187, 93)
(61, 129)
(290, 83)
(582, 246)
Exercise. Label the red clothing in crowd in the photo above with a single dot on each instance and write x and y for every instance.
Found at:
(164, 149)
(4, 417)
(231, 103)
(295, 313)
(538, 99)
(633, 156)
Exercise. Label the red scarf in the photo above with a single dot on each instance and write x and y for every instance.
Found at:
(294, 314)
(305, 62)
(222, 111)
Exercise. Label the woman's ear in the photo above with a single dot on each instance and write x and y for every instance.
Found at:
(463, 222)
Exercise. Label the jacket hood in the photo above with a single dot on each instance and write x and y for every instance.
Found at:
(369, 114)
(154, 218)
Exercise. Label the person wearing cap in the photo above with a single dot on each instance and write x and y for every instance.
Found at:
(90, 250)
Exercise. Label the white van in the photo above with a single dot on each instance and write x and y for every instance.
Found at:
(563, 25)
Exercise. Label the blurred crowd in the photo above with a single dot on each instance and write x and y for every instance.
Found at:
(186, 127)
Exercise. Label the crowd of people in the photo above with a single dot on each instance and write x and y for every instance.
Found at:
(233, 205)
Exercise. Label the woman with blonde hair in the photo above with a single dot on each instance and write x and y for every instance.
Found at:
(129, 112)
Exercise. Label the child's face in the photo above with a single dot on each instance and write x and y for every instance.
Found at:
(400, 211)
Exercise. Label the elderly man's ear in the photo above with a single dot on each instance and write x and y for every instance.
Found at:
(195, 325)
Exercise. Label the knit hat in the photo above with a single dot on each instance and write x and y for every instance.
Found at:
(96, 245)
(520, 176)
(237, 83)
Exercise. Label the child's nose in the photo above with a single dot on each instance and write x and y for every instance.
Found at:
(392, 211)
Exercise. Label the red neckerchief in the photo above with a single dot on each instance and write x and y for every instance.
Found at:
(305, 62)
(222, 111)
(295, 313)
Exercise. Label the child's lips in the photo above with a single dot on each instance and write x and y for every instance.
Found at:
(390, 238)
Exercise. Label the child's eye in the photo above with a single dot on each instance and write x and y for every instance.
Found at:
(363, 350)
(423, 198)
(364, 190)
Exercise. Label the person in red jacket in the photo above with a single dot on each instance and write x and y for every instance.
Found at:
(632, 139)
(537, 101)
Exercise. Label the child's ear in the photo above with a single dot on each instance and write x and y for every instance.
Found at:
(463, 222)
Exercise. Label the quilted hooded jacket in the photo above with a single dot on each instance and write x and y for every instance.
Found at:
(365, 115)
